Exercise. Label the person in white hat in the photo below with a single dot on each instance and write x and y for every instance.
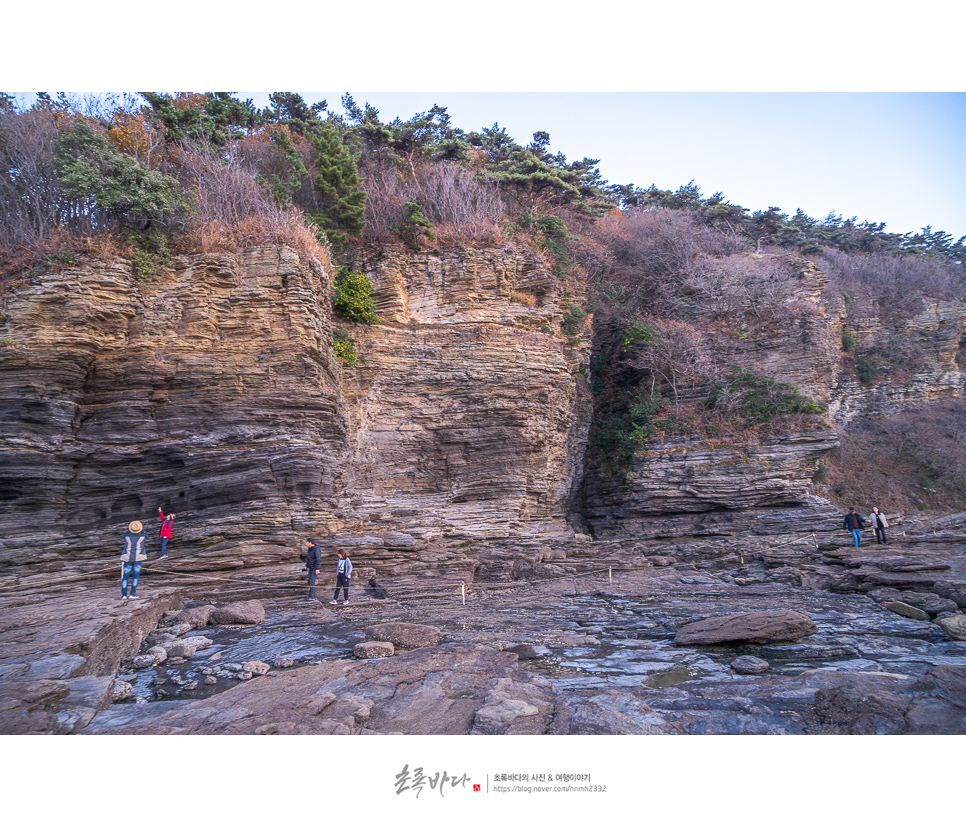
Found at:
(131, 558)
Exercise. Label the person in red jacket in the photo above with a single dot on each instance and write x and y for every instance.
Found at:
(167, 528)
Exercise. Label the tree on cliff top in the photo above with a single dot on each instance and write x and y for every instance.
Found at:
(535, 179)
(216, 117)
(337, 185)
(103, 180)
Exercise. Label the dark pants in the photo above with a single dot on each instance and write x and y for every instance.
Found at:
(164, 547)
(341, 581)
(312, 578)
(880, 536)
(133, 570)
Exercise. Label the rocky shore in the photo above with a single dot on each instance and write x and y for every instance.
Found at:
(811, 637)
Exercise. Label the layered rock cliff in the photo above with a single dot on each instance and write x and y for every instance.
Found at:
(213, 391)
(723, 484)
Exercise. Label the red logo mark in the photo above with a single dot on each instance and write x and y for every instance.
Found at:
(476, 787)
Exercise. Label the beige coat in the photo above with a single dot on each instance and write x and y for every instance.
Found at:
(875, 518)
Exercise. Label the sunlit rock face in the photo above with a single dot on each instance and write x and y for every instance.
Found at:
(466, 420)
(213, 391)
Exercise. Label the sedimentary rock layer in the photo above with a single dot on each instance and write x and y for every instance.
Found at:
(213, 391)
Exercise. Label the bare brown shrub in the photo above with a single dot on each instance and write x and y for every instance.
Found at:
(288, 228)
(914, 460)
(893, 283)
(461, 206)
(224, 184)
(30, 202)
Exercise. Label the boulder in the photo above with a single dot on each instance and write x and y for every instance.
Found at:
(121, 690)
(196, 617)
(404, 635)
(748, 664)
(248, 612)
(180, 648)
(198, 642)
(904, 610)
(750, 627)
(256, 667)
(372, 648)
(955, 627)
(528, 652)
(282, 662)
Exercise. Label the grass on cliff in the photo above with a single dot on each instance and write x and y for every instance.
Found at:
(149, 254)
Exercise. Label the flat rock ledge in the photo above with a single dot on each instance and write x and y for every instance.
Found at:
(404, 635)
(750, 627)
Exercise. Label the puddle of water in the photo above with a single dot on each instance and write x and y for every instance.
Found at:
(280, 635)
(672, 677)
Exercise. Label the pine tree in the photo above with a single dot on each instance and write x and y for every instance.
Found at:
(337, 186)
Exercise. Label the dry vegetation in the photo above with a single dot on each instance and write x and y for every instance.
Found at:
(910, 461)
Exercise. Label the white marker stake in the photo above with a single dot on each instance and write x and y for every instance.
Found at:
(463, 591)
(610, 575)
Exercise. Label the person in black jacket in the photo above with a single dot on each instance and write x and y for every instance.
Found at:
(854, 523)
(313, 564)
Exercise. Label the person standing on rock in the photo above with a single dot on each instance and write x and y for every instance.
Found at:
(879, 524)
(343, 573)
(131, 558)
(313, 564)
(854, 523)
(167, 530)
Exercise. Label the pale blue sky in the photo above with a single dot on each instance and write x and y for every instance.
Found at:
(882, 155)
(899, 158)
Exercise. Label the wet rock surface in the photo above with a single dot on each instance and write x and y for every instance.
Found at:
(566, 650)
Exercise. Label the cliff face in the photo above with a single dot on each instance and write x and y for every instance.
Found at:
(466, 422)
(934, 335)
(693, 485)
(460, 436)
(213, 391)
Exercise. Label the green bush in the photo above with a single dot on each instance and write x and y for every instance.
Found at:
(756, 399)
(344, 348)
(573, 319)
(866, 370)
(151, 253)
(623, 432)
(848, 341)
(415, 224)
(352, 297)
(637, 334)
